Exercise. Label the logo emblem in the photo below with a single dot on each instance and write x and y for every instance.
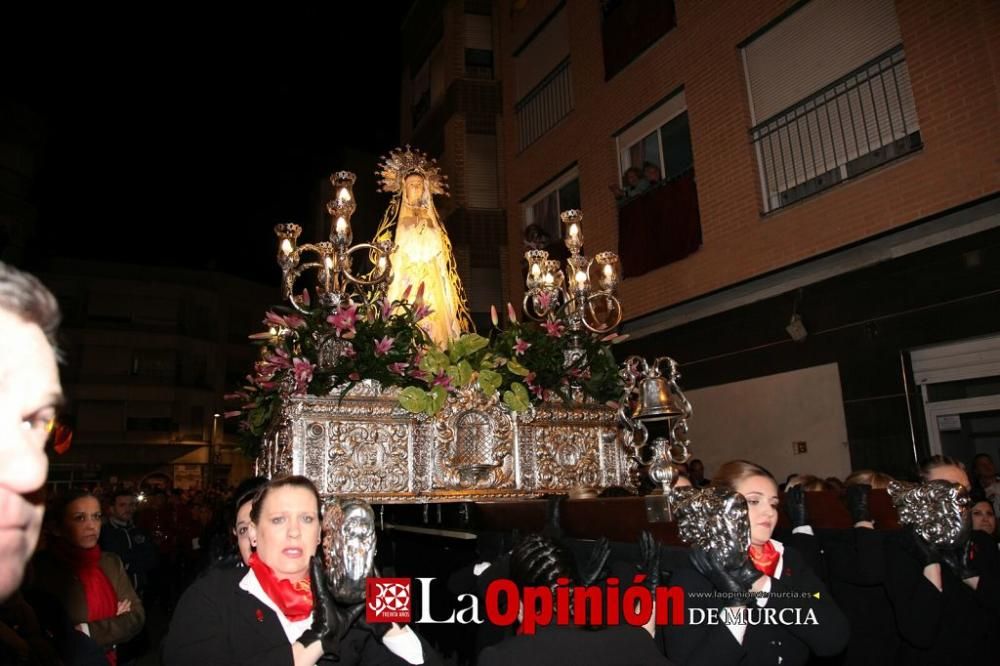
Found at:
(388, 600)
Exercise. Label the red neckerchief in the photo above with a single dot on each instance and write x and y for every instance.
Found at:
(102, 601)
(767, 561)
(294, 599)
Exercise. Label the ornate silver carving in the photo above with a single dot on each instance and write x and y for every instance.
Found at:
(937, 510)
(349, 544)
(364, 445)
(714, 519)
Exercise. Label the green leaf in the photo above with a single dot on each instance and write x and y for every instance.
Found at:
(434, 361)
(517, 368)
(414, 399)
(516, 399)
(460, 374)
(489, 381)
(436, 399)
(466, 346)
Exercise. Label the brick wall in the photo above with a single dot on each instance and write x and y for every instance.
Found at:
(953, 65)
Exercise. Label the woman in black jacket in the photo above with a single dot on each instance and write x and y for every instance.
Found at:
(280, 610)
(773, 577)
(946, 599)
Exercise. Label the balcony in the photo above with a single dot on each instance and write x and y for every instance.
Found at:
(857, 123)
(544, 105)
(660, 226)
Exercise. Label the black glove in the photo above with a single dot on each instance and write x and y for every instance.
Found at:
(650, 552)
(553, 529)
(596, 563)
(795, 506)
(959, 561)
(857, 502)
(735, 592)
(330, 620)
(746, 574)
(920, 548)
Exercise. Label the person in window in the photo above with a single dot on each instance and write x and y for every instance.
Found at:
(651, 173)
(633, 184)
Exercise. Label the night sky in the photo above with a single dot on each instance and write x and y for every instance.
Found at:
(165, 139)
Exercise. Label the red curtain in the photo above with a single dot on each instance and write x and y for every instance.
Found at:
(660, 226)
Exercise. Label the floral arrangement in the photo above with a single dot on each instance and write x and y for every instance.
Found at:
(329, 352)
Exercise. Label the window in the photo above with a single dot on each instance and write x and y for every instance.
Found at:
(154, 363)
(542, 79)
(150, 416)
(481, 171)
(658, 223)
(829, 95)
(478, 47)
(660, 137)
(629, 27)
(544, 207)
(428, 84)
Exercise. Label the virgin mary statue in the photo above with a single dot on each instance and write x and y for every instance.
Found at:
(423, 255)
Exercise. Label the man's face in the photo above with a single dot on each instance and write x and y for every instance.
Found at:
(124, 508)
(29, 395)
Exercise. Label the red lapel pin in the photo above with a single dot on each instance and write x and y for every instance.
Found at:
(260, 615)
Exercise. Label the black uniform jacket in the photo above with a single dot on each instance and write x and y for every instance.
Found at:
(714, 645)
(218, 623)
(565, 646)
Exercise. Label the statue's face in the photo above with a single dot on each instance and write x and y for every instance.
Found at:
(413, 190)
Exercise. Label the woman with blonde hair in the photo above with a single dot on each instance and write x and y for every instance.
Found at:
(772, 576)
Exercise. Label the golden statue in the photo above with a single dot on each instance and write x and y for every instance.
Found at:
(423, 255)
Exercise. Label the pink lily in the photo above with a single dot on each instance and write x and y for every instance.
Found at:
(383, 346)
(553, 329)
(344, 321)
(494, 317)
(303, 370)
(398, 368)
(442, 379)
(511, 314)
(521, 346)
(420, 309)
